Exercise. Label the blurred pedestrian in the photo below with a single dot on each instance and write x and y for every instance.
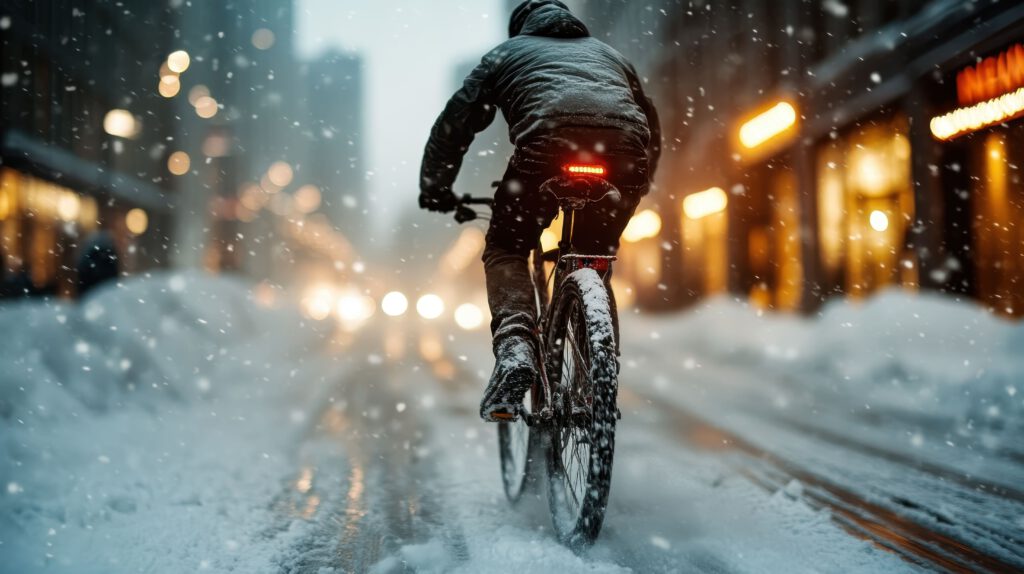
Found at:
(98, 261)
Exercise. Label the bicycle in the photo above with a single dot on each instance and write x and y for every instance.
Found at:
(568, 418)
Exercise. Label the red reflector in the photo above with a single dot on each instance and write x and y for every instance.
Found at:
(585, 169)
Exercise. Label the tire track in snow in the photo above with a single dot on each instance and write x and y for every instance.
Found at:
(362, 482)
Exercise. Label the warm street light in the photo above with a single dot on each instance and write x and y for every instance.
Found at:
(704, 203)
(643, 225)
(206, 107)
(136, 221)
(178, 61)
(978, 116)
(767, 125)
(280, 174)
(179, 163)
(879, 220)
(169, 86)
(120, 123)
(69, 205)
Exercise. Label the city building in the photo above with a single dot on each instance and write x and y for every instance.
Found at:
(833, 148)
(277, 147)
(83, 138)
(240, 115)
(186, 131)
(334, 162)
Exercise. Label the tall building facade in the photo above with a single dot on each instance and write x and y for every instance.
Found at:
(182, 129)
(833, 148)
(240, 114)
(277, 144)
(334, 161)
(83, 138)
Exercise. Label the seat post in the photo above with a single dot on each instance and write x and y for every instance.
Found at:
(565, 243)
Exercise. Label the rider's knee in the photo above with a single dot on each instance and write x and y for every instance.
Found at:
(499, 254)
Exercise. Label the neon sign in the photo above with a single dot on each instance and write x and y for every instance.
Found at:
(992, 77)
(990, 93)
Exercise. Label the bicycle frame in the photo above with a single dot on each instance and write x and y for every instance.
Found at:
(566, 260)
(574, 191)
(573, 400)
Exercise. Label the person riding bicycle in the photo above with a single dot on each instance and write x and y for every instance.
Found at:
(566, 97)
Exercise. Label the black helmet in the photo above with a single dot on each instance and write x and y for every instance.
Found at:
(523, 11)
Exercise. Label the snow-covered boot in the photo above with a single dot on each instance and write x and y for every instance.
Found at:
(515, 371)
(513, 324)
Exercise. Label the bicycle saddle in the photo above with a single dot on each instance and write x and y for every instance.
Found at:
(577, 191)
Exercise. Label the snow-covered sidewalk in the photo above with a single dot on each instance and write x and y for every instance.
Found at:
(146, 428)
(907, 403)
(923, 375)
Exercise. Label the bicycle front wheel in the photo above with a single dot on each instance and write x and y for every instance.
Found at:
(517, 447)
(582, 368)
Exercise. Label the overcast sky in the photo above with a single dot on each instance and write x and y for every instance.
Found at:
(410, 49)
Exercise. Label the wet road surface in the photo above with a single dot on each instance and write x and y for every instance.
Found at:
(397, 474)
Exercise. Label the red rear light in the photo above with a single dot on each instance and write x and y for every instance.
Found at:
(585, 169)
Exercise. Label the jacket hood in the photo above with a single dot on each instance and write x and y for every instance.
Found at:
(549, 18)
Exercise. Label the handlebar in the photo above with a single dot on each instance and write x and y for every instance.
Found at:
(463, 213)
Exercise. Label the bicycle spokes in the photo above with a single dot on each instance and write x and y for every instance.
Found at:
(573, 414)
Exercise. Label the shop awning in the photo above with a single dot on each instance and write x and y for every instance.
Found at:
(63, 166)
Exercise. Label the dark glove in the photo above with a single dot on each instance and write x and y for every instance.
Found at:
(441, 199)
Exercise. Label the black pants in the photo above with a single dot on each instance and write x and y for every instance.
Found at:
(521, 213)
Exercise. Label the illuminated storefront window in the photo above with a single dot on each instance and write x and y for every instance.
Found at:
(768, 220)
(998, 198)
(40, 223)
(785, 242)
(865, 208)
(638, 270)
(704, 228)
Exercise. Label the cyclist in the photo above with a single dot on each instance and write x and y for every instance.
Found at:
(566, 97)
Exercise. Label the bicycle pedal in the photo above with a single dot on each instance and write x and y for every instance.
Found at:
(503, 416)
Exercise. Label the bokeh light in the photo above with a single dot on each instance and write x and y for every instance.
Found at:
(430, 306)
(394, 304)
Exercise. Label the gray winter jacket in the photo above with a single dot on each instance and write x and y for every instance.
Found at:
(549, 75)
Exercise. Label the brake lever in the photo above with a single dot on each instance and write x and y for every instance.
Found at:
(464, 214)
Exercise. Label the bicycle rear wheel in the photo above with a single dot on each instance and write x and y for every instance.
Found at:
(582, 369)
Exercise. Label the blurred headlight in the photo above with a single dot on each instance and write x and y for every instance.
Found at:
(354, 309)
(394, 304)
(319, 302)
(430, 306)
(469, 316)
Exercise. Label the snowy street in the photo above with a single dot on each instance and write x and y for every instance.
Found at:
(743, 282)
(183, 426)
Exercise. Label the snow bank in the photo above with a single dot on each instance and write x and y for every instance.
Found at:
(146, 427)
(921, 352)
(167, 330)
